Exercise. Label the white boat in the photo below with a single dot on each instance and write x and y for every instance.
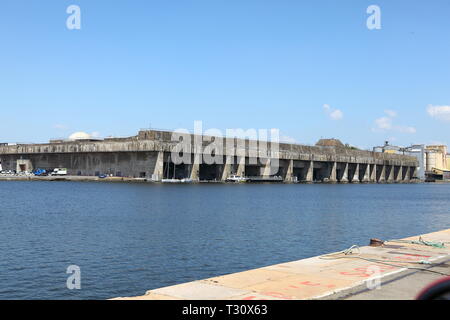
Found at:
(185, 180)
(171, 181)
(236, 178)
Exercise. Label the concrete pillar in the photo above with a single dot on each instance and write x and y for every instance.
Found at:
(399, 177)
(332, 176)
(382, 174)
(373, 172)
(355, 178)
(366, 173)
(158, 171)
(227, 168)
(289, 172)
(195, 168)
(241, 167)
(267, 169)
(390, 174)
(407, 174)
(412, 173)
(310, 172)
(344, 176)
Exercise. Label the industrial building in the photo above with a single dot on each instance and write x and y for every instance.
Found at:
(149, 155)
(433, 160)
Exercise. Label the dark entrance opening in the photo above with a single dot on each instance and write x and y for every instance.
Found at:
(352, 172)
(404, 172)
(299, 173)
(339, 174)
(210, 172)
(252, 171)
(379, 173)
(317, 174)
(172, 171)
(363, 168)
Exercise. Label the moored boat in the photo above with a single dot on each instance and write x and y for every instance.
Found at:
(236, 178)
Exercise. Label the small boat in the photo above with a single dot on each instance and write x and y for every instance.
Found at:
(167, 173)
(171, 181)
(174, 179)
(236, 178)
(185, 180)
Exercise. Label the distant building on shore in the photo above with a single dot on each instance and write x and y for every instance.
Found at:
(434, 160)
(418, 151)
(437, 162)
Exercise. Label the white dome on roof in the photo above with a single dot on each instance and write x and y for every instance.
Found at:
(80, 136)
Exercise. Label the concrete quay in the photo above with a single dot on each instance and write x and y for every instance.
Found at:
(149, 155)
(68, 178)
(401, 268)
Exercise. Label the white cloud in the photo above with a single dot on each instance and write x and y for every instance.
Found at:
(387, 124)
(391, 113)
(334, 114)
(439, 112)
(405, 129)
(384, 123)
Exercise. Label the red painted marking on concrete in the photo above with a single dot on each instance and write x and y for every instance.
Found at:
(276, 295)
(384, 267)
(356, 273)
(252, 298)
(411, 257)
(328, 285)
(309, 283)
(364, 272)
(416, 255)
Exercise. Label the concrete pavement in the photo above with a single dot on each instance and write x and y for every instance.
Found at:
(398, 266)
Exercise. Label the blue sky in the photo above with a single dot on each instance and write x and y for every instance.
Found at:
(310, 68)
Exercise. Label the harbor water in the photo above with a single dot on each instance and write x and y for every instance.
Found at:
(128, 238)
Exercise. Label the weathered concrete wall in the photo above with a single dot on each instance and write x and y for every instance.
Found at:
(126, 164)
(161, 141)
(137, 157)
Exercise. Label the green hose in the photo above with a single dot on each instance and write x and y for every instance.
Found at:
(422, 242)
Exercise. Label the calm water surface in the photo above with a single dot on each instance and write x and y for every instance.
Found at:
(130, 238)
